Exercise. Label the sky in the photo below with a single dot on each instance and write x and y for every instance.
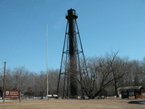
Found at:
(104, 26)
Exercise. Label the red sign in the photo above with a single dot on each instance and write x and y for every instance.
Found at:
(11, 93)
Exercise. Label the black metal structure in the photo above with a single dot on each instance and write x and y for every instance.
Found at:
(70, 62)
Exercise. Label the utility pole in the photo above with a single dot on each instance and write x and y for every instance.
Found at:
(4, 82)
(33, 87)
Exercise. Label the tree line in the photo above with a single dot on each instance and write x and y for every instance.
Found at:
(104, 75)
(29, 83)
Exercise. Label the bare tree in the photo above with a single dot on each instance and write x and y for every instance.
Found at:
(98, 76)
(53, 80)
(118, 69)
(18, 78)
(42, 83)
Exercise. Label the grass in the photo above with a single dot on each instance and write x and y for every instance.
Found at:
(109, 103)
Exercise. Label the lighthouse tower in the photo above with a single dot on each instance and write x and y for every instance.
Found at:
(70, 62)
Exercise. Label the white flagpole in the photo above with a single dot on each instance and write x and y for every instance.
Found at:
(47, 59)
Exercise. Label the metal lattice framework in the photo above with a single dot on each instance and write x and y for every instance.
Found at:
(72, 56)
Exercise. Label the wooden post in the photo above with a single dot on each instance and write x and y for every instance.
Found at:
(19, 96)
(3, 97)
(4, 82)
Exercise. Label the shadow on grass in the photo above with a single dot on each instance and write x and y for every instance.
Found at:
(137, 102)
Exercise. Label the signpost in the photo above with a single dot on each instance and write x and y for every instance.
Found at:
(11, 94)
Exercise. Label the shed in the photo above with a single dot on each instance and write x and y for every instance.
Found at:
(127, 91)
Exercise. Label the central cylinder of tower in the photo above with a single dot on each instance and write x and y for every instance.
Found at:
(71, 17)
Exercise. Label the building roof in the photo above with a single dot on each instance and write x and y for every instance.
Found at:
(130, 88)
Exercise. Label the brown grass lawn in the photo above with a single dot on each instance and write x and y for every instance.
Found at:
(109, 103)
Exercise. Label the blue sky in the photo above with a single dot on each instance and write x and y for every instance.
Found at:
(104, 25)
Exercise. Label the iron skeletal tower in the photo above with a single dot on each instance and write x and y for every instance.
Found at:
(70, 62)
